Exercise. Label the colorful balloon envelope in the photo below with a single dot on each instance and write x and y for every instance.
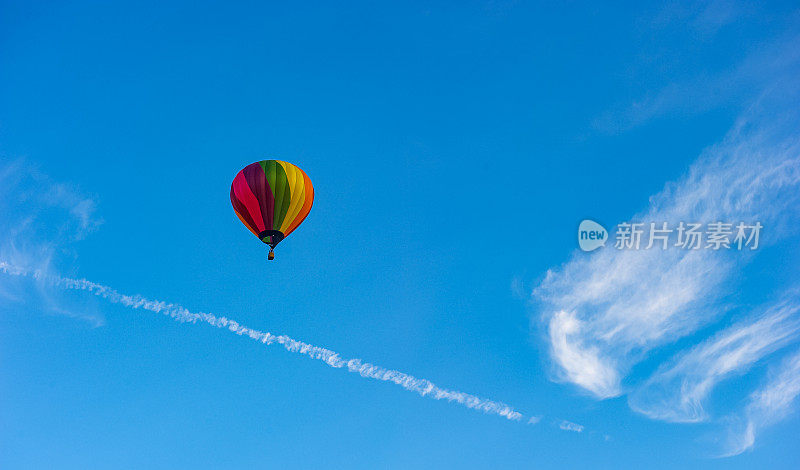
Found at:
(272, 198)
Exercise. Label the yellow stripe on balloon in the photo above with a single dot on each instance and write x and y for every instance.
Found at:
(301, 194)
(291, 177)
(289, 169)
(308, 201)
(297, 199)
(295, 180)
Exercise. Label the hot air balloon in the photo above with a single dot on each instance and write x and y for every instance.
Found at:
(272, 198)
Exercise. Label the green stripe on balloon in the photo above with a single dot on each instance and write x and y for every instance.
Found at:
(285, 195)
(269, 171)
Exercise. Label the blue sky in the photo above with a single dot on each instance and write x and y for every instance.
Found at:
(454, 149)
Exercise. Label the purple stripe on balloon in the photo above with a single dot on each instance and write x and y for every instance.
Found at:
(257, 181)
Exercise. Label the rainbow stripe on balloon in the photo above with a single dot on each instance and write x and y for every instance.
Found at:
(272, 198)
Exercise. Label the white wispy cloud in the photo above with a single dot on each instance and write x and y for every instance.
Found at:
(422, 387)
(581, 363)
(570, 426)
(603, 312)
(35, 206)
(677, 391)
(767, 405)
(41, 220)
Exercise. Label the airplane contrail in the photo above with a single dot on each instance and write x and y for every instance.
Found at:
(179, 313)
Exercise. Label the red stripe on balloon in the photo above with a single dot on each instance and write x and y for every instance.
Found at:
(241, 210)
(246, 197)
